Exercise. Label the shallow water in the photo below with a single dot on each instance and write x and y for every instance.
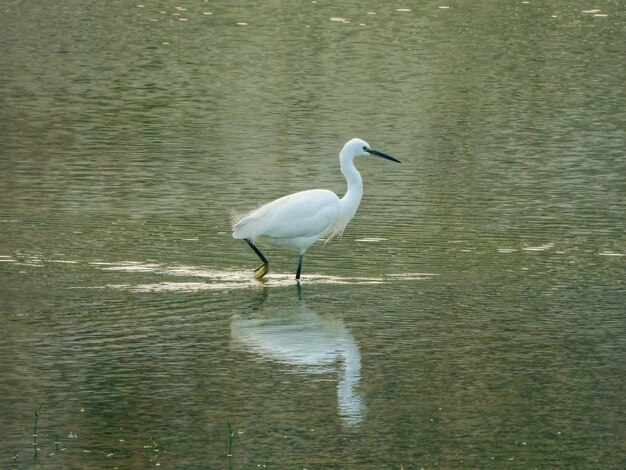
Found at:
(471, 315)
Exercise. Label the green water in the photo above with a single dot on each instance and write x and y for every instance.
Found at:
(472, 315)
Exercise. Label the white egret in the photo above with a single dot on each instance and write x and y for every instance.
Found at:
(298, 220)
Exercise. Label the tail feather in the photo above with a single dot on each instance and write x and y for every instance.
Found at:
(238, 222)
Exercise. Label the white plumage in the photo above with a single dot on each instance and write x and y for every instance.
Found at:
(295, 221)
(298, 220)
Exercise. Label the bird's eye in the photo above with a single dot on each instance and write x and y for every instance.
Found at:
(365, 148)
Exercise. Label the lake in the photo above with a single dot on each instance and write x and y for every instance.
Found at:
(472, 314)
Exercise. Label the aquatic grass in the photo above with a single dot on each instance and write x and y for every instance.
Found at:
(154, 450)
(231, 434)
(37, 411)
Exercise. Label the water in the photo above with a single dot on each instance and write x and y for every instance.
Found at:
(471, 316)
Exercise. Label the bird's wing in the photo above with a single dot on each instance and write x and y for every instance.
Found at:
(303, 214)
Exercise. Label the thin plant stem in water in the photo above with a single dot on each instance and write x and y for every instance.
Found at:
(121, 440)
(230, 439)
(230, 445)
(37, 411)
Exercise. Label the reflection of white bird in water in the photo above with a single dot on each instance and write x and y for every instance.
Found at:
(300, 219)
(312, 343)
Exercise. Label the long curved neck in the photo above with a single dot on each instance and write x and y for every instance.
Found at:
(350, 201)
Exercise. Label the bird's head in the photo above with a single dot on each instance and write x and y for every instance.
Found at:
(359, 148)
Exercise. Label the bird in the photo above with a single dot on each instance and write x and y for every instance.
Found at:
(298, 220)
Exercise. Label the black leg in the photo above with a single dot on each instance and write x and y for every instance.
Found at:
(261, 270)
(258, 252)
(300, 258)
(299, 291)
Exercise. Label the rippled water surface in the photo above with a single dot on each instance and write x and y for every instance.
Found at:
(472, 315)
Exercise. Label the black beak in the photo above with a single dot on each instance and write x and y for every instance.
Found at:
(383, 155)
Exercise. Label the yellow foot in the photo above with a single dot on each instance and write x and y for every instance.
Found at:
(261, 271)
